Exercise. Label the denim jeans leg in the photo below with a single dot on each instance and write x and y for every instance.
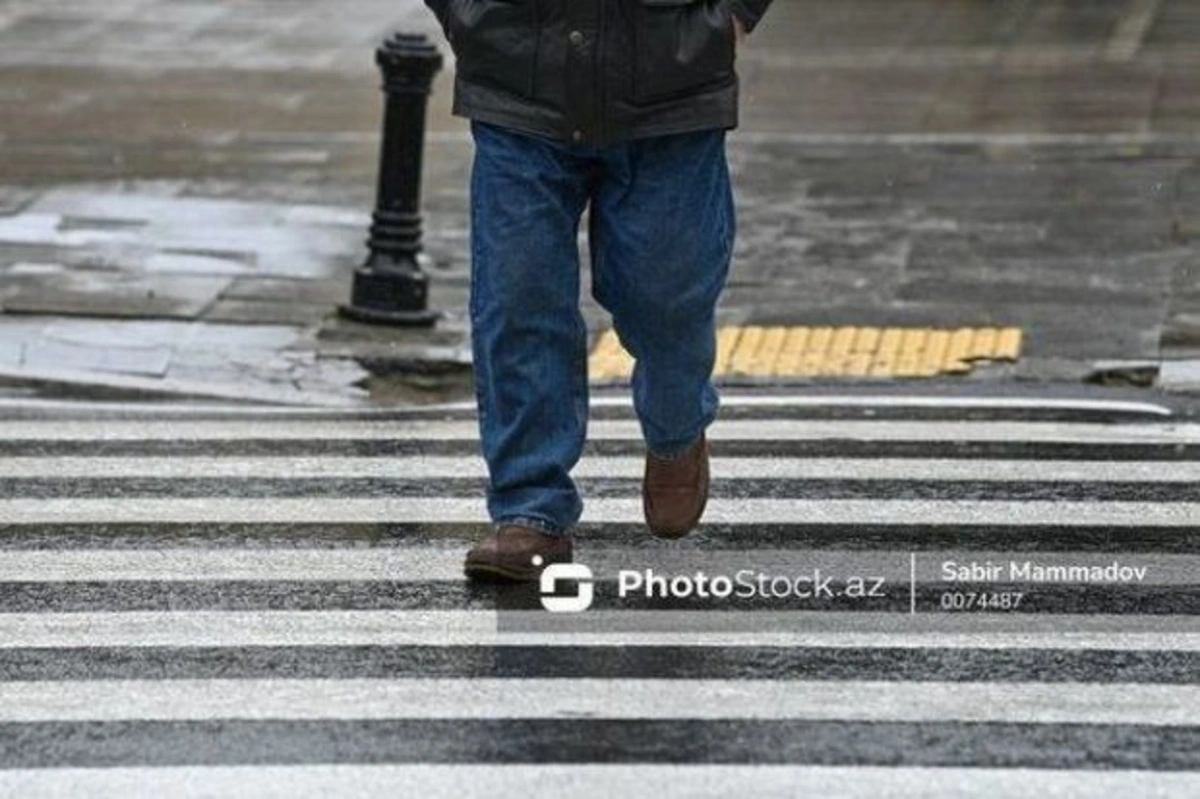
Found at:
(661, 235)
(528, 338)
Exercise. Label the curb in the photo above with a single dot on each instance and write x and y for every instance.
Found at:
(117, 387)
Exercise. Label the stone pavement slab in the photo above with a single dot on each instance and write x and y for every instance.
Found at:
(144, 251)
(129, 348)
(899, 162)
(1180, 375)
(106, 293)
(260, 363)
(247, 34)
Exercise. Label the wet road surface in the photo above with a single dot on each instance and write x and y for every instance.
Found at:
(223, 602)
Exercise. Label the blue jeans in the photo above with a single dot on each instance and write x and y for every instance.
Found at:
(661, 230)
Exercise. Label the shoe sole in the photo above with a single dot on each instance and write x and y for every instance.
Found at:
(486, 572)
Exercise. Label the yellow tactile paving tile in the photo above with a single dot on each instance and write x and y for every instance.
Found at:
(770, 350)
(727, 339)
(912, 344)
(983, 343)
(960, 347)
(934, 354)
(862, 352)
(813, 357)
(866, 340)
(795, 344)
(1008, 344)
(848, 351)
(609, 360)
(745, 353)
(839, 350)
(883, 362)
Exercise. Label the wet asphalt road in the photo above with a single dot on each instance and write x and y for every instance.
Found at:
(212, 602)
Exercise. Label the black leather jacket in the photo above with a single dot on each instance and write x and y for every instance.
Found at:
(596, 71)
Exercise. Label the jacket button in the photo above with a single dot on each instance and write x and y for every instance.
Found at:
(576, 38)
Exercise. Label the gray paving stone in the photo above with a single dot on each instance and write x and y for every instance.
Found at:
(112, 346)
(33, 269)
(96, 293)
(200, 262)
(14, 199)
(1175, 25)
(12, 351)
(259, 312)
(250, 34)
(287, 290)
(104, 357)
(1001, 292)
(1181, 334)
(953, 257)
(1180, 375)
(192, 235)
(256, 125)
(229, 340)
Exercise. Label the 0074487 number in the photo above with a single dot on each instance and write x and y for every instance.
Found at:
(971, 600)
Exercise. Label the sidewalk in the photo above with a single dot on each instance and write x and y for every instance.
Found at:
(185, 189)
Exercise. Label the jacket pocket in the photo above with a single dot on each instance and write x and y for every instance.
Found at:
(680, 47)
(495, 42)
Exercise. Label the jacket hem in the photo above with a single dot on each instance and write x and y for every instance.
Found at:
(716, 109)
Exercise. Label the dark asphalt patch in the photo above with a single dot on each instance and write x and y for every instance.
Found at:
(729, 448)
(400, 534)
(311, 595)
(987, 745)
(729, 410)
(600, 662)
(596, 488)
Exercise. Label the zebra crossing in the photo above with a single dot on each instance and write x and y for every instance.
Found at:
(218, 601)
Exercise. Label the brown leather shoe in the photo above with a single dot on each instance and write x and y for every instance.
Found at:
(509, 554)
(675, 491)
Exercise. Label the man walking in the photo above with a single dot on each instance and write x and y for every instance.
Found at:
(620, 106)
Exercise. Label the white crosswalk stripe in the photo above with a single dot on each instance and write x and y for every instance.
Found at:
(186, 611)
(708, 629)
(760, 511)
(445, 563)
(748, 699)
(752, 429)
(624, 779)
(433, 467)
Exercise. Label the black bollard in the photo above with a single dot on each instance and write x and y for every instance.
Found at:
(391, 288)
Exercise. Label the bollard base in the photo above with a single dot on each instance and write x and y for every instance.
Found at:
(379, 316)
(390, 297)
